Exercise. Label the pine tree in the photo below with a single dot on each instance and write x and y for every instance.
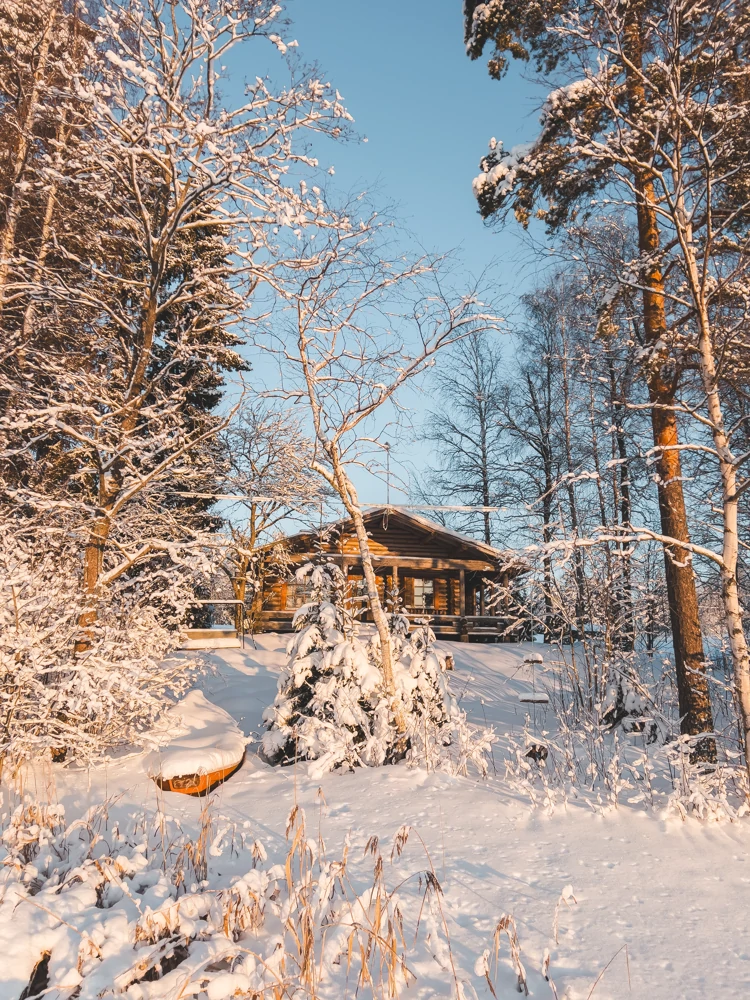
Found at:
(641, 115)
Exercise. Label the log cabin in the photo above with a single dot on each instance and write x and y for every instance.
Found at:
(440, 574)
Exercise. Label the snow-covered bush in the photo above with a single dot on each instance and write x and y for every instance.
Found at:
(77, 705)
(567, 758)
(332, 708)
(127, 254)
(626, 705)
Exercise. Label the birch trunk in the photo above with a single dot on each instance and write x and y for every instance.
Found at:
(730, 497)
(621, 501)
(348, 494)
(577, 554)
(613, 610)
(484, 453)
(239, 581)
(549, 621)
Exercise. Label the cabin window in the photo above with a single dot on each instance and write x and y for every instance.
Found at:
(424, 594)
(357, 591)
(298, 594)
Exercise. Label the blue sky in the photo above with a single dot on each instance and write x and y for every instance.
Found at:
(427, 112)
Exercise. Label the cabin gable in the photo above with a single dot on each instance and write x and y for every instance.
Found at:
(396, 537)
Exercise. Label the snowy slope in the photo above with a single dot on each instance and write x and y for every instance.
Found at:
(657, 902)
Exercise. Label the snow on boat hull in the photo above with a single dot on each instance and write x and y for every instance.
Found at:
(198, 784)
(199, 747)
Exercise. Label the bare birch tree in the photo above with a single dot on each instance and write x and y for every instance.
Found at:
(356, 331)
(463, 432)
(269, 458)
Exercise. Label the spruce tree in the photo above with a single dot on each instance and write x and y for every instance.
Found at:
(332, 707)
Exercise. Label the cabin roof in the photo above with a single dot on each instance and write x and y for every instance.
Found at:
(433, 526)
(422, 524)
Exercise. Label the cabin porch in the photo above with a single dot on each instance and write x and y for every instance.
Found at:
(454, 599)
(422, 568)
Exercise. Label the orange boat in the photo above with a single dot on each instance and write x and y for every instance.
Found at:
(205, 747)
(197, 784)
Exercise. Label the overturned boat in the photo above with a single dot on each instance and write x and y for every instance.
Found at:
(200, 747)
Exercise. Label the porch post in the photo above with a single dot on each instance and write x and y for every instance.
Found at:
(394, 578)
(463, 625)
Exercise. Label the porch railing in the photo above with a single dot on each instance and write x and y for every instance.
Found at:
(235, 605)
(459, 626)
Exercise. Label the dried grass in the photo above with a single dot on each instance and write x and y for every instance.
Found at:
(288, 930)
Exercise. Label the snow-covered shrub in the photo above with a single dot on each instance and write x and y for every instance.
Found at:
(331, 706)
(609, 769)
(626, 705)
(78, 705)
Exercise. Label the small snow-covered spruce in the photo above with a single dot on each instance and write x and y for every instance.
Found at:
(332, 706)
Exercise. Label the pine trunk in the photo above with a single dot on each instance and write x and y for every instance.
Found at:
(93, 559)
(692, 683)
(26, 124)
(93, 562)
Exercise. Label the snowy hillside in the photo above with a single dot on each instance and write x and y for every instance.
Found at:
(610, 901)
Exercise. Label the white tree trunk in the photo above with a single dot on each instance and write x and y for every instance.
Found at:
(730, 544)
(346, 490)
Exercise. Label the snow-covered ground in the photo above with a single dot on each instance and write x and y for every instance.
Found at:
(657, 904)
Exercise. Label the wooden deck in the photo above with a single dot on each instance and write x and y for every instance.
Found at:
(456, 628)
(212, 638)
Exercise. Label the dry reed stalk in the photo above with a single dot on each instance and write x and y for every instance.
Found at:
(601, 974)
(312, 897)
(565, 895)
(506, 925)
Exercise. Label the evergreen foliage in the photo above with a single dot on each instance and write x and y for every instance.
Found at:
(332, 707)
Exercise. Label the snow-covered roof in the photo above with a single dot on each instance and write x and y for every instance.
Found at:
(425, 522)
(371, 513)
